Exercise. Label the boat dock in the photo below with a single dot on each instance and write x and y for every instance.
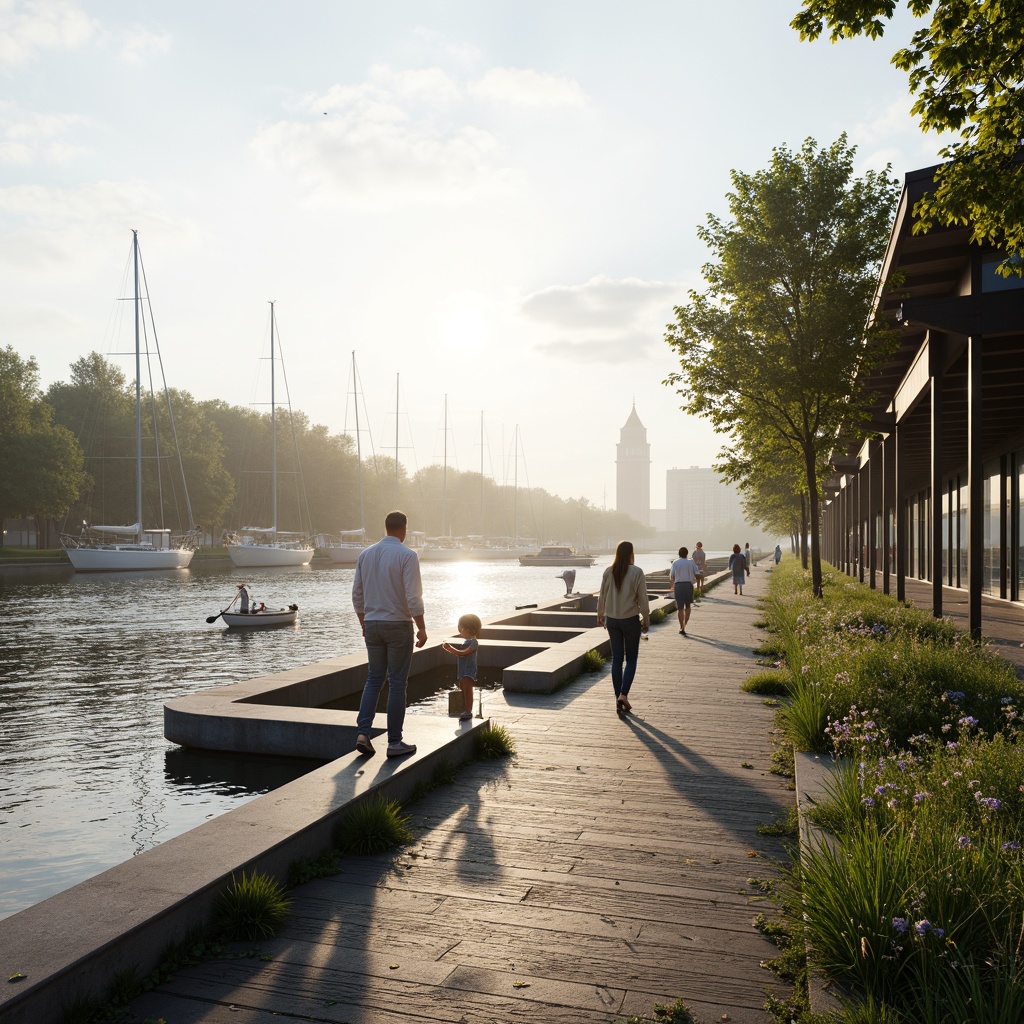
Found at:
(612, 864)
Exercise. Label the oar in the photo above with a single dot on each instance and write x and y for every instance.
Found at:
(214, 618)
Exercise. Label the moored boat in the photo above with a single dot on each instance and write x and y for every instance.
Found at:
(134, 548)
(557, 554)
(266, 546)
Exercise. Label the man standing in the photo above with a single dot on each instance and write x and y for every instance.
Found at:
(681, 578)
(387, 595)
(700, 559)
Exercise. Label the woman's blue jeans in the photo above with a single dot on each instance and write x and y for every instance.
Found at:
(624, 635)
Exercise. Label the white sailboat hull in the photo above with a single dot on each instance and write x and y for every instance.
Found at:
(252, 556)
(344, 555)
(128, 558)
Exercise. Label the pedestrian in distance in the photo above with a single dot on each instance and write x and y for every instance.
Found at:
(465, 670)
(748, 558)
(700, 559)
(387, 595)
(683, 577)
(738, 568)
(778, 554)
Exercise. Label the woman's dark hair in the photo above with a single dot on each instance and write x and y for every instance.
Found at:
(623, 553)
(736, 549)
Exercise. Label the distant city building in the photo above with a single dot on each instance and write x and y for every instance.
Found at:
(696, 500)
(633, 470)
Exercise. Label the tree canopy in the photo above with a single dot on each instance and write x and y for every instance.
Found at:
(40, 461)
(965, 70)
(776, 346)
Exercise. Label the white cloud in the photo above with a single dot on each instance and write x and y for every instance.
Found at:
(606, 320)
(139, 45)
(528, 88)
(387, 142)
(27, 29)
(26, 138)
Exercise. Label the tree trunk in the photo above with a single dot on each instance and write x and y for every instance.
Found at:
(813, 515)
(802, 539)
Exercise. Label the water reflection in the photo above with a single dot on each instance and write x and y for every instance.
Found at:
(87, 662)
(225, 774)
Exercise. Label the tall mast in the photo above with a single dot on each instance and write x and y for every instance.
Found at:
(444, 492)
(273, 426)
(359, 448)
(396, 439)
(138, 392)
(515, 487)
(481, 474)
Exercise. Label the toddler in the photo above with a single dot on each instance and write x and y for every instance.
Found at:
(469, 630)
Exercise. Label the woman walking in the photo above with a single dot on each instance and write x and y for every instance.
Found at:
(738, 565)
(624, 609)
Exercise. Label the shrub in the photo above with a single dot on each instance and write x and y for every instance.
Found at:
(373, 826)
(252, 907)
(776, 683)
(658, 616)
(495, 741)
(593, 661)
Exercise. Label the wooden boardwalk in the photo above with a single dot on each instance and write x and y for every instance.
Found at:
(607, 867)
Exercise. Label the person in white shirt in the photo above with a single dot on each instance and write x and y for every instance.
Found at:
(683, 576)
(387, 595)
(700, 559)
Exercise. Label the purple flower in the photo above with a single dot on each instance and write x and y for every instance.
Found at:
(1011, 845)
(868, 801)
(968, 721)
(990, 802)
(964, 842)
(923, 927)
(954, 696)
(918, 797)
(900, 924)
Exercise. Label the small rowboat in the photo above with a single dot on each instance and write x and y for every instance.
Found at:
(262, 617)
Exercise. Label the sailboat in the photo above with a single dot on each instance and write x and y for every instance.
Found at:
(266, 545)
(133, 548)
(345, 549)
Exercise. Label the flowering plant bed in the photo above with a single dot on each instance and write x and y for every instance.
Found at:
(915, 903)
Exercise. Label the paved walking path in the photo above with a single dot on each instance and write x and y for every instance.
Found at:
(608, 866)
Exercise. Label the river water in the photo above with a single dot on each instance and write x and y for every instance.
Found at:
(87, 661)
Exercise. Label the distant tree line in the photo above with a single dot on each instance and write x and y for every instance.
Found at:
(69, 454)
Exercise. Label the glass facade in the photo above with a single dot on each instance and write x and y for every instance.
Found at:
(992, 558)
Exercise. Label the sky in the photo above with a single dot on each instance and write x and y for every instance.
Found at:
(493, 204)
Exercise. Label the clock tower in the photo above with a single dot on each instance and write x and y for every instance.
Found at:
(633, 470)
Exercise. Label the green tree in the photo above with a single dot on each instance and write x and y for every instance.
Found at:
(41, 467)
(776, 343)
(964, 69)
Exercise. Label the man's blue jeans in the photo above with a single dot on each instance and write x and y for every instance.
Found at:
(388, 656)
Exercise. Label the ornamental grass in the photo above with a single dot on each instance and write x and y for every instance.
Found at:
(912, 896)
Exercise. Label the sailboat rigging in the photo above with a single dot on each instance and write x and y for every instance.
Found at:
(345, 551)
(122, 548)
(267, 545)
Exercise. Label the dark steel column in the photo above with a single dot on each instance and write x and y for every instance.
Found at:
(936, 494)
(975, 488)
(874, 472)
(1004, 531)
(888, 494)
(861, 532)
(899, 514)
